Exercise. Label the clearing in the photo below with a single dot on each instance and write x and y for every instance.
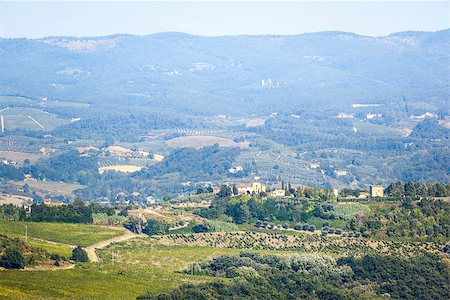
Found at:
(120, 168)
(19, 157)
(52, 187)
(200, 141)
(13, 199)
(30, 119)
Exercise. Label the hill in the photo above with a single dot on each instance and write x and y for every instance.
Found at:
(240, 75)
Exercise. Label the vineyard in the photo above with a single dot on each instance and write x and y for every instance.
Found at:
(302, 243)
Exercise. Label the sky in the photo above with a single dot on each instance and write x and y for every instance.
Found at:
(35, 19)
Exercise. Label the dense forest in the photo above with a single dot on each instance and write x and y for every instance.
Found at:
(418, 189)
(205, 164)
(424, 219)
(298, 276)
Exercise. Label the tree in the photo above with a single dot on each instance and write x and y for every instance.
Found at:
(79, 254)
(235, 190)
(12, 259)
(239, 212)
(155, 227)
(224, 191)
(200, 228)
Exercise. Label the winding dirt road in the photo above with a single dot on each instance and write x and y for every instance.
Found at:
(91, 249)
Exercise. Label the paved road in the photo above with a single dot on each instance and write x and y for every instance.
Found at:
(91, 249)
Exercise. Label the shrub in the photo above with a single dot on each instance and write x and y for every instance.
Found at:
(79, 254)
(200, 228)
(12, 259)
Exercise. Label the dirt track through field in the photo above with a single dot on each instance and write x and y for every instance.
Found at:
(91, 249)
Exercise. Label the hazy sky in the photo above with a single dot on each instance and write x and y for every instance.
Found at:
(56, 18)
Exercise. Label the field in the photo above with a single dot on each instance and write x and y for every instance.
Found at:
(71, 234)
(13, 199)
(19, 157)
(120, 168)
(300, 242)
(348, 210)
(15, 101)
(375, 129)
(52, 187)
(144, 264)
(29, 119)
(139, 266)
(199, 141)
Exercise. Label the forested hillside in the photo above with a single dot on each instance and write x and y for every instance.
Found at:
(240, 75)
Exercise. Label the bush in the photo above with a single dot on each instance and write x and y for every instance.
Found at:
(12, 259)
(79, 254)
(200, 228)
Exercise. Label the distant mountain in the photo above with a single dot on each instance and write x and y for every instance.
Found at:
(240, 75)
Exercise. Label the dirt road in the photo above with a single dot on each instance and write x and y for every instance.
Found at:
(91, 249)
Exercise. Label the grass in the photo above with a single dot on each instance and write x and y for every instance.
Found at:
(138, 268)
(350, 209)
(72, 234)
(30, 119)
(62, 250)
(376, 129)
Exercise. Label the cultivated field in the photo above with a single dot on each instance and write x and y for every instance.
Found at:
(72, 234)
(302, 242)
(19, 157)
(29, 119)
(138, 267)
(199, 141)
(13, 199)
(15, 101)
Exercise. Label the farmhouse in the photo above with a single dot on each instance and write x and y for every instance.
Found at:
(376, 191)
(278, 193)
(254, 188)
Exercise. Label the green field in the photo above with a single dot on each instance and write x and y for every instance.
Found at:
(72, 234)
(62, 250)
(375, 129)
(30, 119)
(138, 268)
